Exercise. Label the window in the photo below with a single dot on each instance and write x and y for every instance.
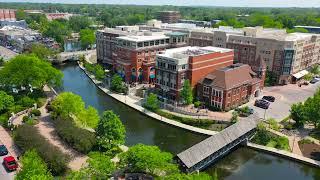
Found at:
(206, 89)
(183, 66)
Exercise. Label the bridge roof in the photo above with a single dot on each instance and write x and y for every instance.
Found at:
(205, 148)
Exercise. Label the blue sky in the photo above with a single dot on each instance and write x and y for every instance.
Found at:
(243, 3)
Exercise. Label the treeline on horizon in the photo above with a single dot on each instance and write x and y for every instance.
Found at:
(113, 15)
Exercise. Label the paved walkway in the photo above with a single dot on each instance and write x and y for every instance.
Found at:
(135, 104)
(285, 154)
(46, 129)
(293, 141)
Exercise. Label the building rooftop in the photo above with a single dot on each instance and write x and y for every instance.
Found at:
(185, 52)
(230, 77)
(142, 38)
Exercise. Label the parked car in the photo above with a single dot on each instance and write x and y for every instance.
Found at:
(269, 98)
(3, 150)
(314, 80)
(261, 103)
(10, 163)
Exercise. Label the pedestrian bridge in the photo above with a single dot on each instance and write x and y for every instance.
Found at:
(213, 148)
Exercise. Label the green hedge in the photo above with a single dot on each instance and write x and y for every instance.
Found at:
(80, 139)
(27, 137)
(202, 123)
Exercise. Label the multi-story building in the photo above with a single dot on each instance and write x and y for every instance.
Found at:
(134, 56)
(175, 65)
(7, 14)
(106, 43)
(282, 53)
(168, 16)
(229, 87)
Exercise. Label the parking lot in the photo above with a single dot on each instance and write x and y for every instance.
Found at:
(285, 97)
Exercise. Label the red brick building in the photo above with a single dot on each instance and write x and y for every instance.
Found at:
(7, 14)
(229, 87)
(194, 63)
(135, 56)
(168, 16)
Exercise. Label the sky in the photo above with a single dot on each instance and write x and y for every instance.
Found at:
(234, 3)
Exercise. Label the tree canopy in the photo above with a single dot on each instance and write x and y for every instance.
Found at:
(152, 102)
(87, 38)
(110, 131)
(71, 105)
(149, 159)
(40, 50)
(25, 70)
(33, 167)
(186, 92)
(6, 101)
(77, 23)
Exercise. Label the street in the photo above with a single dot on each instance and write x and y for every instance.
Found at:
(285, 97)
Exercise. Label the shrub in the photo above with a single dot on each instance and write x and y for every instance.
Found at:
(273, 124)
(35, 112)
(4, 119)
(80, 139)
(26, 101)
(28, 137)
(25, 119)
(197, 104)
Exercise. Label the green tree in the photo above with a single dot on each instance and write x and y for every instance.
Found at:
(234, 117)
(308, 77)
(311, 109)
(40, 50)
(152, 102)
(88, 117)
(117, 84)
(195, 176)
(100, 166)
(71, 105)
(25, 70)
(297, 114)
(33, 167)
(149, 159)
(6, 101)
(20, 15)
(87, 38)
(57, 30)
(67, 104)
(99, 72)
(77, 23)
(186, 92)
(271, 79)
(110, 131)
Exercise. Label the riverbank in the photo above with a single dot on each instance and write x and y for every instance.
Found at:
(135, 104)
(285, 154)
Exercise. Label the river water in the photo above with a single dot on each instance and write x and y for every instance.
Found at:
(242, 164)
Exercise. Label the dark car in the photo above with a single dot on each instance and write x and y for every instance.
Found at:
(314, 80)
(269, 98)
(262, 104)
(3, 150)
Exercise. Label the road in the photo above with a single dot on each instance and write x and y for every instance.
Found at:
(6, 139)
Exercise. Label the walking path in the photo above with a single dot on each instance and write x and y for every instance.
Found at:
(135, 104)
(46, 129)
(285, 154)
(293, 141)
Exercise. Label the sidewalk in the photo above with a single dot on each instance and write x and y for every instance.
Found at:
(135, 104)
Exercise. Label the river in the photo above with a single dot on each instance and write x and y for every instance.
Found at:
(241, 164)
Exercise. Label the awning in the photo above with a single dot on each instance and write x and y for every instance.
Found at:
(300, 74)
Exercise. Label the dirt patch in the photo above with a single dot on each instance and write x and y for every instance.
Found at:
(310, 150)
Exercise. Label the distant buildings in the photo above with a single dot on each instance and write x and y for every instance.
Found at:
(54, 16)
(197, 23)
(7, 15)
(168, 16)
(21, 23)
(311, 29)
(284, 54)
(227, 88)
(174, 66)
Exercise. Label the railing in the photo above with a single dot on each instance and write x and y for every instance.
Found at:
(181, 110)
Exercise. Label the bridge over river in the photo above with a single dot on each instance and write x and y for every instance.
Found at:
(211, 149)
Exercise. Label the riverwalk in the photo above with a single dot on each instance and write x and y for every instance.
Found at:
(136, 104)
(285, 154)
